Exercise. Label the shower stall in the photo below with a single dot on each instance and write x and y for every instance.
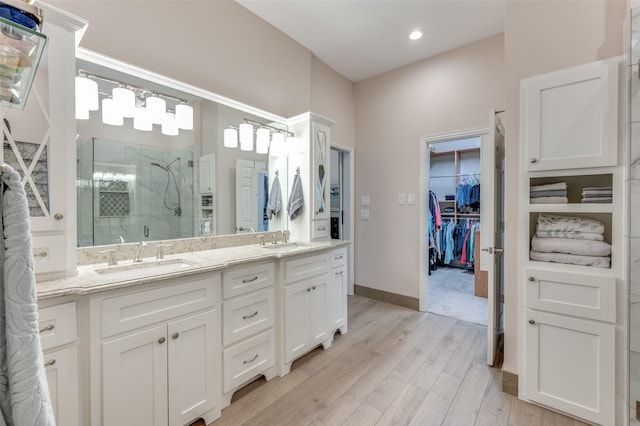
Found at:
(133, 191)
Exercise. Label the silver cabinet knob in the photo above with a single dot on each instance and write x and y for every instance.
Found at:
(175, 335)
(50, 363)
(532, 322)
(532, 279)
(161, 340)
(58, 216)
(533, 160)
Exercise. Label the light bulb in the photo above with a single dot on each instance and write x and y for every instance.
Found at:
(141, 120)
(277, 144)
(169, 125)
(262, 140)
(157, 109)
(125, 100)
(110, 114)
(184, 116)
(86, 97)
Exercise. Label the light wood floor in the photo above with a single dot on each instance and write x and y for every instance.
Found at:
(394, 366)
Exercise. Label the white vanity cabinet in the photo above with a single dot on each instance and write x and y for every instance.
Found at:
(248, 318)
(306, 313)
(569, 320)
(58, 339)
(338, 289)
(156, 353)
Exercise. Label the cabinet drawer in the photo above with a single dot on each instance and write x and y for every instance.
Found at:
(245, 280)
(580, 295)
(320, 229)
(134, 310)
(306, 267)
(248, 359)
(247, 315)
(338, 257)
(57, 325)
(47, 256)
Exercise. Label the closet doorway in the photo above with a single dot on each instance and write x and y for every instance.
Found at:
(455, 168)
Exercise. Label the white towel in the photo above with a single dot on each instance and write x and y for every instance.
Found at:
(24, 395)
(573, 259)
(296, 198)
(275, 199)
(550, 222)
(570, 246)
(549, 187)
(549, 200)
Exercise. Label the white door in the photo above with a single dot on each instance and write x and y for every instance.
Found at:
(62, 377)
(491, 231)
(245, 199)
(134, 384)
(192, 360)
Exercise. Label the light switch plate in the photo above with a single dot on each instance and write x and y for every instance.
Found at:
(401, 198)
(364, 200)
(411, 199)
(364, 214)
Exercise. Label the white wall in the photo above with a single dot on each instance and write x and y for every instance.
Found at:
(447, 93)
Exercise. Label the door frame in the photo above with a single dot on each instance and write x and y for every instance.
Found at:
(424, 203)
(348, 191)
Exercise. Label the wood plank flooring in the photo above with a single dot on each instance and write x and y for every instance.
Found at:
(395, 366)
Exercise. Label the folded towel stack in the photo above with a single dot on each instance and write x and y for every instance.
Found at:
(572, 240)
(597, 194)
(552, 193)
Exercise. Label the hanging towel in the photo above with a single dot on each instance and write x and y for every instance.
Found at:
(296, 200)
(275, 199)
(24, 395)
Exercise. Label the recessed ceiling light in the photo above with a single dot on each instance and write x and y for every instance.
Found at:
(415, 35)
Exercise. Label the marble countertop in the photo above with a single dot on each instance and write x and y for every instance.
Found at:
(99, 277)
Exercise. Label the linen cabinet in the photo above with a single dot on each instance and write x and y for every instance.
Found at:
(569, 136)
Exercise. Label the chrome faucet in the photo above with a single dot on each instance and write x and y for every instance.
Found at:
(138, 253)
(160, 252)
(285, 236)
(120, 239)
(274, 237)
(112, 257)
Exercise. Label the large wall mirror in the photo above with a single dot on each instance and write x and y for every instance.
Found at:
(145, 185)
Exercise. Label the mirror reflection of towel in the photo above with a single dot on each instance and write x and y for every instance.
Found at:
(296, 200)
(275, 199)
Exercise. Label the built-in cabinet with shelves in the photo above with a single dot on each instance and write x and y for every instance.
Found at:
(338, 290)
(569, 131)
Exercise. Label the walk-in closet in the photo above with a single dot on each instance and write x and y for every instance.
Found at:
(456, 287)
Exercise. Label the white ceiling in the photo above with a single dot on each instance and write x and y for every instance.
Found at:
(364, 38)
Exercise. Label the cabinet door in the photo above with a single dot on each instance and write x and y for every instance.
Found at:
(320, 135)
(193, 359)
(134, 379)
(296, 321)
(319, 311)
(62, 376)
(570, 117)
(338, 292)
(570, 365)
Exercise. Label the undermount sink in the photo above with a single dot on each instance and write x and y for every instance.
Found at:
(152, 266)
(285, 247)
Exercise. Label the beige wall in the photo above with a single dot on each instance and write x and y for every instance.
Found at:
(448, 93)
(216, 45)
(543, 36)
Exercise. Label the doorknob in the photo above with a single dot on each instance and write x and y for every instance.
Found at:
(492, 250)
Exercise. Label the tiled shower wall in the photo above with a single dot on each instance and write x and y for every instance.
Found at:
(128, 196)
(634, 235)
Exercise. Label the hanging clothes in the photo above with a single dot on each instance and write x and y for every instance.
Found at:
(24, 394)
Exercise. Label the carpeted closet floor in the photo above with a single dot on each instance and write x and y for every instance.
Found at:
(450, 292)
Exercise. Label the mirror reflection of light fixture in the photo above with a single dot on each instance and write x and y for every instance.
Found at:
(262, 140)
(110, 114)
(141, 120)
(246, 137)
(230, 138)
(156, 108)
(184, 116)
(124, 100)
(169, 125)
(86, 97)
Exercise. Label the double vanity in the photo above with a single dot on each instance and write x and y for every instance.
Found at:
(168, 341)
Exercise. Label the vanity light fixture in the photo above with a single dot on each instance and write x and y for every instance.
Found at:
(126, 101)
(415, 35)
(110, 114)
(262, 140)
(277, 144)
(230, 137)
(246, 137)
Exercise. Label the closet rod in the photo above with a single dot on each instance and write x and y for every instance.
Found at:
(457, 175)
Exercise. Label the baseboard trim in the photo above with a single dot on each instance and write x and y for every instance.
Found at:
(509, 383)
(388, 297)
